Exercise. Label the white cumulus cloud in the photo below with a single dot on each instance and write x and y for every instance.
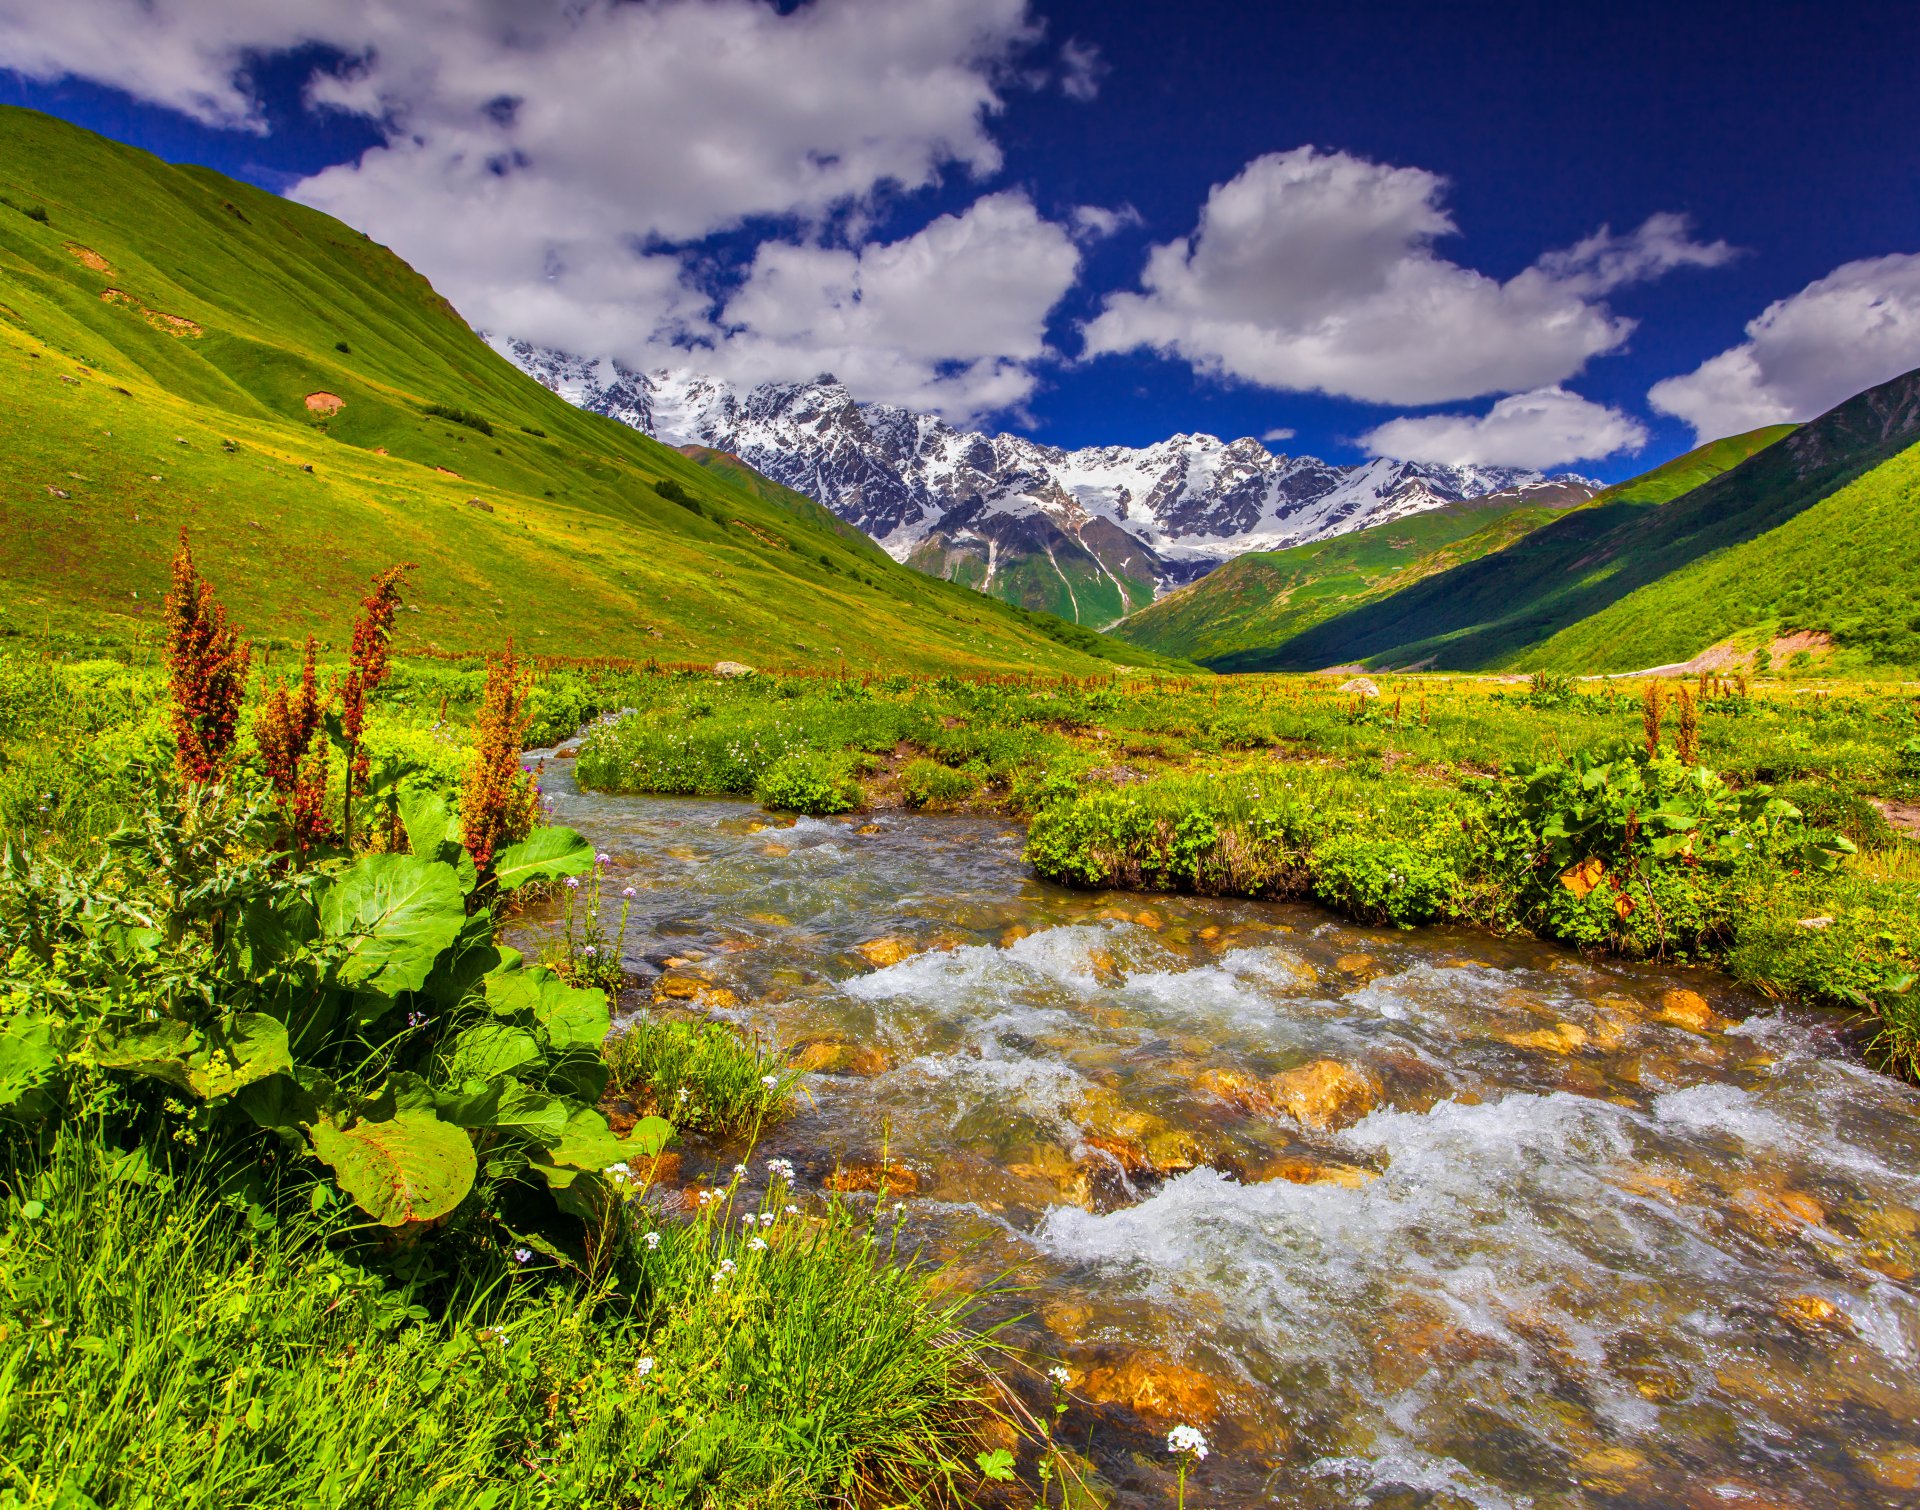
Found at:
(547, 164)
(1315, 270)
(1547, 427)
(1858, 326)
(949, 318)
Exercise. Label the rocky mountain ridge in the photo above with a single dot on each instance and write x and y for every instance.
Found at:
(1091, 534)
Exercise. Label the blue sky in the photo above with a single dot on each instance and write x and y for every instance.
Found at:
(1377, 226)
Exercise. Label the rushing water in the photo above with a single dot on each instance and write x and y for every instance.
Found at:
(1574, 1256)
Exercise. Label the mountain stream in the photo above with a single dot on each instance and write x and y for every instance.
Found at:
(1399, 1219)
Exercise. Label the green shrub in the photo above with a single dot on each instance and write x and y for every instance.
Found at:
(929, 784)
(359, 1014)
(807, 782)
(1384, 880)
(673, 492)
(459, 416)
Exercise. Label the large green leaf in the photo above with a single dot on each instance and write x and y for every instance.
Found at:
(488, 1049)
(411, 1167)
(544, 855)
(28, 1062)
(589, 1144)
(574, 1017)
(432, 832)
(159, 1050)
(253, 1046)
(394, 914)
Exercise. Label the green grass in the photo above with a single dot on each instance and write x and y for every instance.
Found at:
(164, 1345)
(1501, 608)
(1849, 567)
(554, 531)
(1237, 612)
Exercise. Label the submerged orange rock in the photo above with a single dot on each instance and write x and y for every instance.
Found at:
(1688, 1009)
(1324, 1095)
(882, 952)
(1162, 1391)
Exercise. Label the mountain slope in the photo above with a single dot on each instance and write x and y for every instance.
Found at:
(1499, 609)
(1848, 567)
(1089, 534)
(178, 348)
(1258, 600)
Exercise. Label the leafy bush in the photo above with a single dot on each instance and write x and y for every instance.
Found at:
(927, 783)
(459, 416)
(358, 1012)
(673, 492)
(1384, 881)
(807, 782)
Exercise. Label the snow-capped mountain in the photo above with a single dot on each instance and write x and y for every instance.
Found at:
(1090, 534)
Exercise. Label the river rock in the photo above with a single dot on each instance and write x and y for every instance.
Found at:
(1156, 1388)
(1813, 1313)
(1688, 1009)
(835, 1056)
(1324, 1095)
(882, 952)
(1301, 1171)
(1896, 1468)
(1561, 1038)
(1240, 1090)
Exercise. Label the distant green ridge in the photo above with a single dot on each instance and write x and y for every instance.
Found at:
(1242, 609)
(1847, 567)
(177, 348)
(1501, 609)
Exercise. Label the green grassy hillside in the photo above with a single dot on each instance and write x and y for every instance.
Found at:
(1256, 601)
(180, 349)
(1499, 610)
(1848, 567)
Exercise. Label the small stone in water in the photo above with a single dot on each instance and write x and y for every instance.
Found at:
(882, 952)
(1325, 1095)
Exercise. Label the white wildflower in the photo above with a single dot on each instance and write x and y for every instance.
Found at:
(758, 1245)
(652, 1240)
(643, 1368)
(1187, 1442)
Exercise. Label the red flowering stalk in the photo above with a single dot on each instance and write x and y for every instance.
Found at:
(207, 668)
(368, 665)
(498, 803)
(284, 731)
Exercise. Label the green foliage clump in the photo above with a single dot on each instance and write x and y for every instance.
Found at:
(674, 492)
(357, 1013)
(458, 416)
(701, 1075)
(807, 781)
(929, 784)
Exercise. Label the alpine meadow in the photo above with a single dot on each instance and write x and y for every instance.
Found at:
(968, 753)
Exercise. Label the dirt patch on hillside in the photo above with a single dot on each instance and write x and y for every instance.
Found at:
(447, 472)
(86, 256)
(325, 403)
(1902, 817)
(1729, 657)
(159, 319)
